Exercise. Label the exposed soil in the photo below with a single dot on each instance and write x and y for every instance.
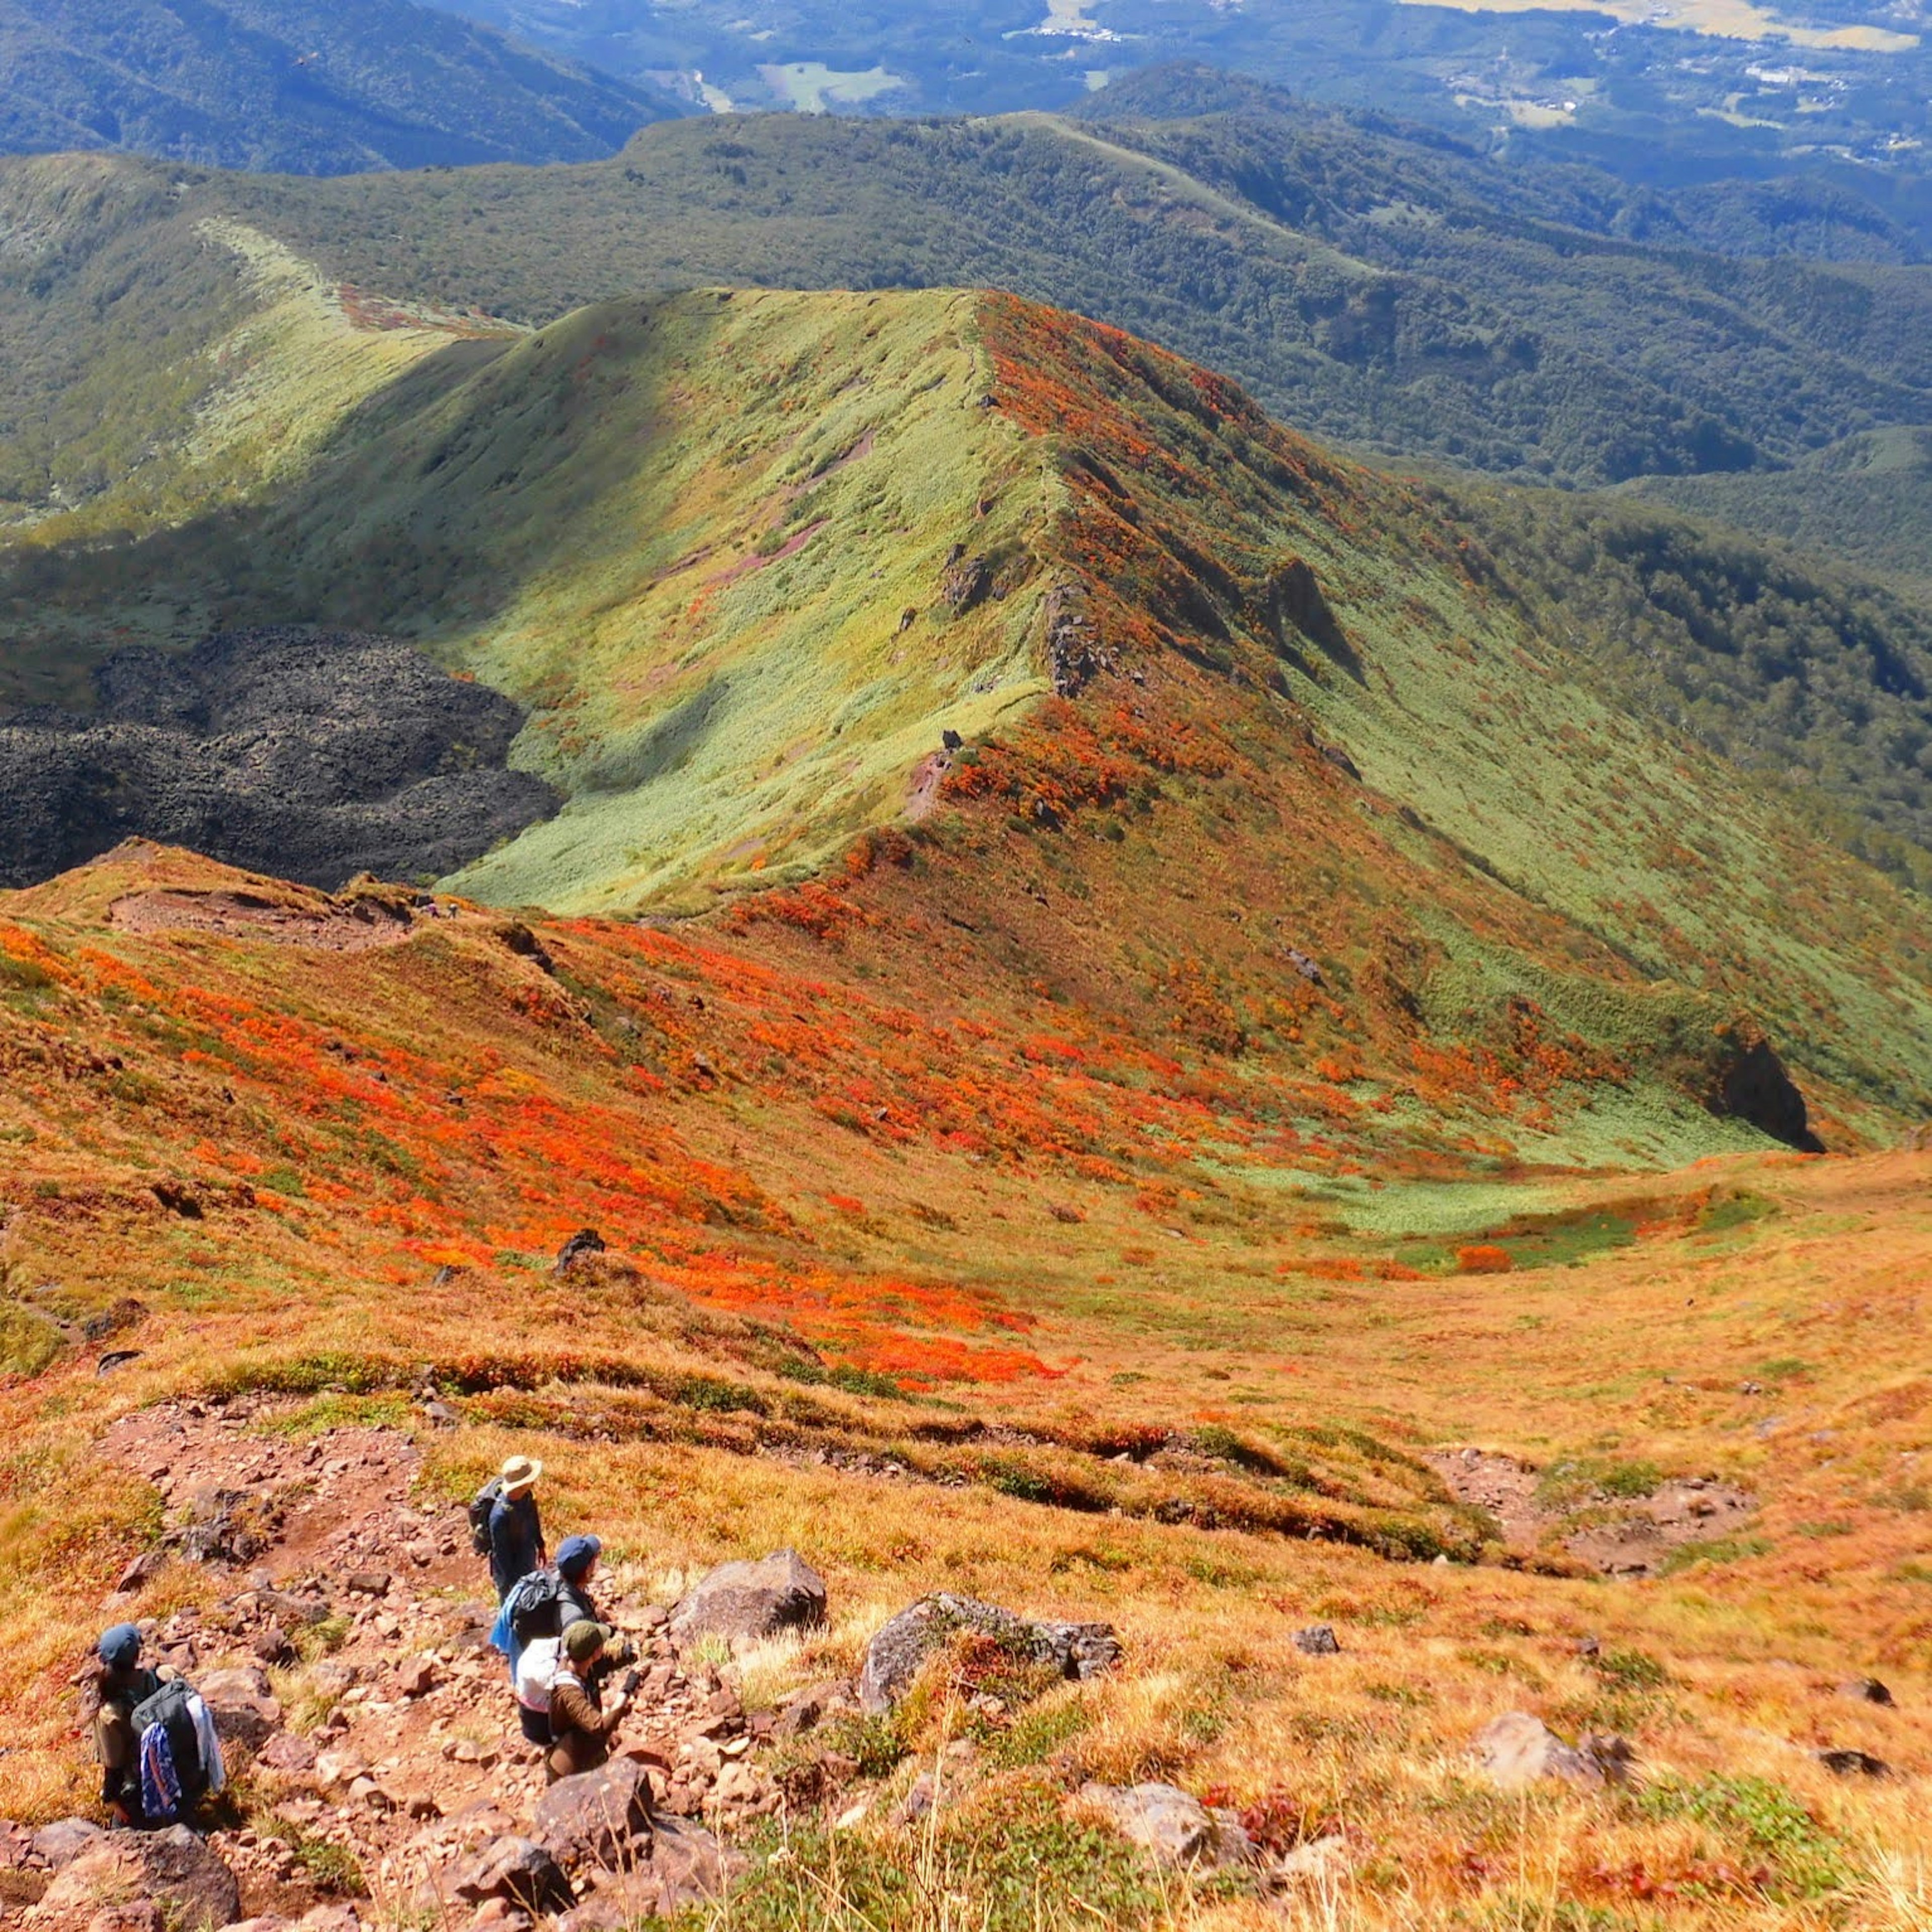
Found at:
(314, 755)
(333, 926)
(1616, 1536)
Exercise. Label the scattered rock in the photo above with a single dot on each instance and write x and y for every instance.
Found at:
(340, 1767)
(895, 1655)
(1318, 1640)
(581, 1246)
(126, 1313)
(414, 1677)
(1866, 1690)
(139, 1571)
(519, 1870)
(171, 1870)
(1854, 1764)
(241, 1704)
(1516, 1749)
(287, 1751)
(1175, 1827)
(116, 1358)
(600, 1817)
(1320, 1859)
(806, 1710)
(752, 1599)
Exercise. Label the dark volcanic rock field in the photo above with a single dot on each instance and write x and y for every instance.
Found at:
(312, 754)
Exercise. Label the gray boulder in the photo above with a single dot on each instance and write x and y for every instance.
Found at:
(1517, 1749)
(894, 1657)
(600, 1817)
(1177, 1829)
(751, 1599)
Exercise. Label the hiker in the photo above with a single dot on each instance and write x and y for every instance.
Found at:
(155, 1739)
(581, 1725)
(514, 1530)
(122, 1682)
(546, 1602)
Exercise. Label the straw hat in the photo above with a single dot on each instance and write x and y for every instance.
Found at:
(520, 1473)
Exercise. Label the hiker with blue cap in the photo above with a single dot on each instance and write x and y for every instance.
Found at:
(122, 1683)
(538, 1611)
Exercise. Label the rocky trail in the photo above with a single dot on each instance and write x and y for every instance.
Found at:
(369, 1730)
(1613, 1533)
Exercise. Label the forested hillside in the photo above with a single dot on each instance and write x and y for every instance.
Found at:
(1404, 316)
(298, 86)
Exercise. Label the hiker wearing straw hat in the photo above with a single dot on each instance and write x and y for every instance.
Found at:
(516, 1530)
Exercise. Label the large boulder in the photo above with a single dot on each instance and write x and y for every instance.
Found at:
(751, 1599)
(1177, 1829)
(600, 1817)
(1517, 1749)
(173, 1868)
(894, 1657)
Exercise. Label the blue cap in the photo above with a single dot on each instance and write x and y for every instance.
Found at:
(120, 1646)
(577, 1554)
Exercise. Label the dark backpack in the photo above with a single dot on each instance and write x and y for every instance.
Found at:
(168, 1707)
(481, 1504)
(536, 1607)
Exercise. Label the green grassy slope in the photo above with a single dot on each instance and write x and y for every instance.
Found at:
(705, 541)
(294, 85)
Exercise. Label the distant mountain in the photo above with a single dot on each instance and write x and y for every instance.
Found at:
(298, 86)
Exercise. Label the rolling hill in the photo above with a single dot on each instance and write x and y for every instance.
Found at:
(299, 88)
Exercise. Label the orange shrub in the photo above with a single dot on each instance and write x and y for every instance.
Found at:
(1483, 1259)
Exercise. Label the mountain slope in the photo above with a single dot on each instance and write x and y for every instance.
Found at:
(751, 561)
(301, 89)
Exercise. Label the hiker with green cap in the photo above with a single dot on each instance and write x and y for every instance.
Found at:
(122, 1683)
(581, 1725)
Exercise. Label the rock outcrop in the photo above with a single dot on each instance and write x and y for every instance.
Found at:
(751, 1599)
(894, 1655)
